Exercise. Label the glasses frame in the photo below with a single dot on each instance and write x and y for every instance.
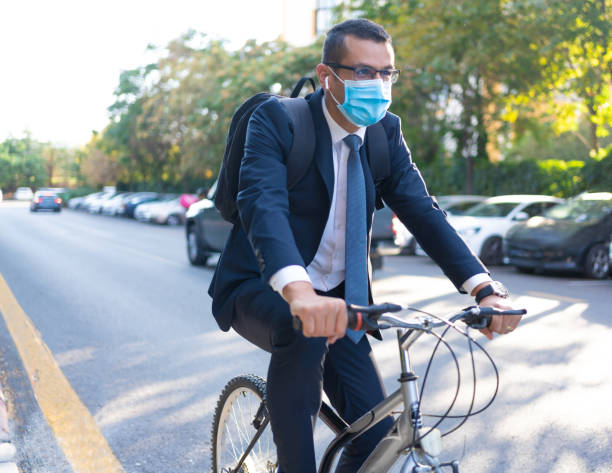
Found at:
(393, 73)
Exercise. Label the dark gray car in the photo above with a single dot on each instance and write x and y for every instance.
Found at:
(206, 231)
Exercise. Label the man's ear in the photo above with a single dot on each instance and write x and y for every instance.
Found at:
(323, 74)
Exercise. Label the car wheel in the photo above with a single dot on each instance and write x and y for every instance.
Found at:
(597, 263)
(197, 257)
(173, 220)
(491, 252)
(525, 269)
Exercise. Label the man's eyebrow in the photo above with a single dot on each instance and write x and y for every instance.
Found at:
(368, 65)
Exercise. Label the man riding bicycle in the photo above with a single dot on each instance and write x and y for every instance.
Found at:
(304, 252)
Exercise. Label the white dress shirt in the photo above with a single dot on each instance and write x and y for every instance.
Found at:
(326, 270)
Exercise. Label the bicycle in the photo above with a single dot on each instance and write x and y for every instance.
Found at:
(242, 443)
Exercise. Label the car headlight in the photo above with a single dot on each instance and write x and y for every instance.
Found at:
(469, 232)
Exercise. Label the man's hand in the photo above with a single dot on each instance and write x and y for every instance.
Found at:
(321, 316)
(501, 324)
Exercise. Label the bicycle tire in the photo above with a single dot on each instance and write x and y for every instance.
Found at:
(239, 413)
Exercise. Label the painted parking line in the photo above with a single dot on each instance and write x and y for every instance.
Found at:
(74, 427)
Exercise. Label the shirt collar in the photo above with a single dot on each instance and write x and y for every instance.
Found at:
(337, 132)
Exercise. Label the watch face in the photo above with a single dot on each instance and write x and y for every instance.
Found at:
(500, 289)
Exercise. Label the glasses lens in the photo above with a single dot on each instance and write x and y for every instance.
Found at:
(364, 73)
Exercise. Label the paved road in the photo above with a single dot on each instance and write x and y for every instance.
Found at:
(128, 322)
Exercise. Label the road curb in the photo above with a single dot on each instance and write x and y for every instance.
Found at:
(7, 449)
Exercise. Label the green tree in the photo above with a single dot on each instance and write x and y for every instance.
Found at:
(573, 42)
(170, 119)
(22, 163)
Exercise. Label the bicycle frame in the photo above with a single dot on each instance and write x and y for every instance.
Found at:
(421, 445)
(407, 436)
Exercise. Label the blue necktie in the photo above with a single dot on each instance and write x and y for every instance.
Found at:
(356, 257)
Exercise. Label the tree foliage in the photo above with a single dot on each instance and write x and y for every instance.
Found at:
(22, 164)
(499, 70)
(483, 82)
(170, 119)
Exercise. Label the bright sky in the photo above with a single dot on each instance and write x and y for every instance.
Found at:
(60, 60)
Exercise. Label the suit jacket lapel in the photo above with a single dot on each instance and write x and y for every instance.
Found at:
(323, 150)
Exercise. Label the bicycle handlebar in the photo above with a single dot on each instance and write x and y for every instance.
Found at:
(367, 317)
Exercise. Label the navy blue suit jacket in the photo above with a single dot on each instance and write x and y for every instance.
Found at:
(281, 227)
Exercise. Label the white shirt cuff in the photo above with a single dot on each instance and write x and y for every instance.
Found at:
(469, 285)
(287, 275)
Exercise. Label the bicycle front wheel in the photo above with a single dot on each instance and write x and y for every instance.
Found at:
(241, 430)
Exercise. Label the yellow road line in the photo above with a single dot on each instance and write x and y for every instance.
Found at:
(74, 427)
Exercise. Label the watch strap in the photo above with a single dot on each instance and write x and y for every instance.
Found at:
(484, 292)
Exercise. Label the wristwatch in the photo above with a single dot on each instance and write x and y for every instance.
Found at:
(493, 288)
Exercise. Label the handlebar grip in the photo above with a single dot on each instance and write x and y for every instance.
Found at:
(481, 316)
(352, 322)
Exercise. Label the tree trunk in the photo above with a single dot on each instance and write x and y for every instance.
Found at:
(469, 173)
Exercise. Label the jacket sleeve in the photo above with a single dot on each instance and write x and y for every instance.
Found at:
(404, 190)
(263, 200)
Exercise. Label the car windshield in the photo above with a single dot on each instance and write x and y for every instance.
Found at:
(459, 208)
(581, 210)
(491, 209)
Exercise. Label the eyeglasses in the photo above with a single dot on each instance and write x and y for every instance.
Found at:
(367, 72)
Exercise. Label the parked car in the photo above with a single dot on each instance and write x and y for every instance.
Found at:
(75, 203)
(570, 237)
(484, 226)
(95, 204)
(171, 212)
(23, 193)
(114, 205)
(158, 211)
(129, 207)
(205, 230)
(90, 199)
(46, 200)
(452, 205)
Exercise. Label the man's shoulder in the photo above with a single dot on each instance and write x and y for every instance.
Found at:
(390, 120)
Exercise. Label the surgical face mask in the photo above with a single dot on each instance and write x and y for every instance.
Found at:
(365, 101)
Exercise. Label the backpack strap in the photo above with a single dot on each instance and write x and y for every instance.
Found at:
(377, 150)
(304, 139)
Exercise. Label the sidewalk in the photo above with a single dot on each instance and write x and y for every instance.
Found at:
(7, 449)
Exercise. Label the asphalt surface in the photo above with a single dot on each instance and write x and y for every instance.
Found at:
(128, 321)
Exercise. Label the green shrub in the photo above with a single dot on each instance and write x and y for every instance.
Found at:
(551, 177)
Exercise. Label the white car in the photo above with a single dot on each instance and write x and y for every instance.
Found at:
(484, 226)
(158, 211)
(23, 193)
(94, 205)
(171, 212)
(115, 205)
(452, 205)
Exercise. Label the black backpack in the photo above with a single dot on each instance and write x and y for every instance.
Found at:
(302, 149)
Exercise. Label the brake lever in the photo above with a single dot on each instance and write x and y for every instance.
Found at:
(475, 318)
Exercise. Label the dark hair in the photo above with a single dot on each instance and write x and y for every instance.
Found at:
(334, 49)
